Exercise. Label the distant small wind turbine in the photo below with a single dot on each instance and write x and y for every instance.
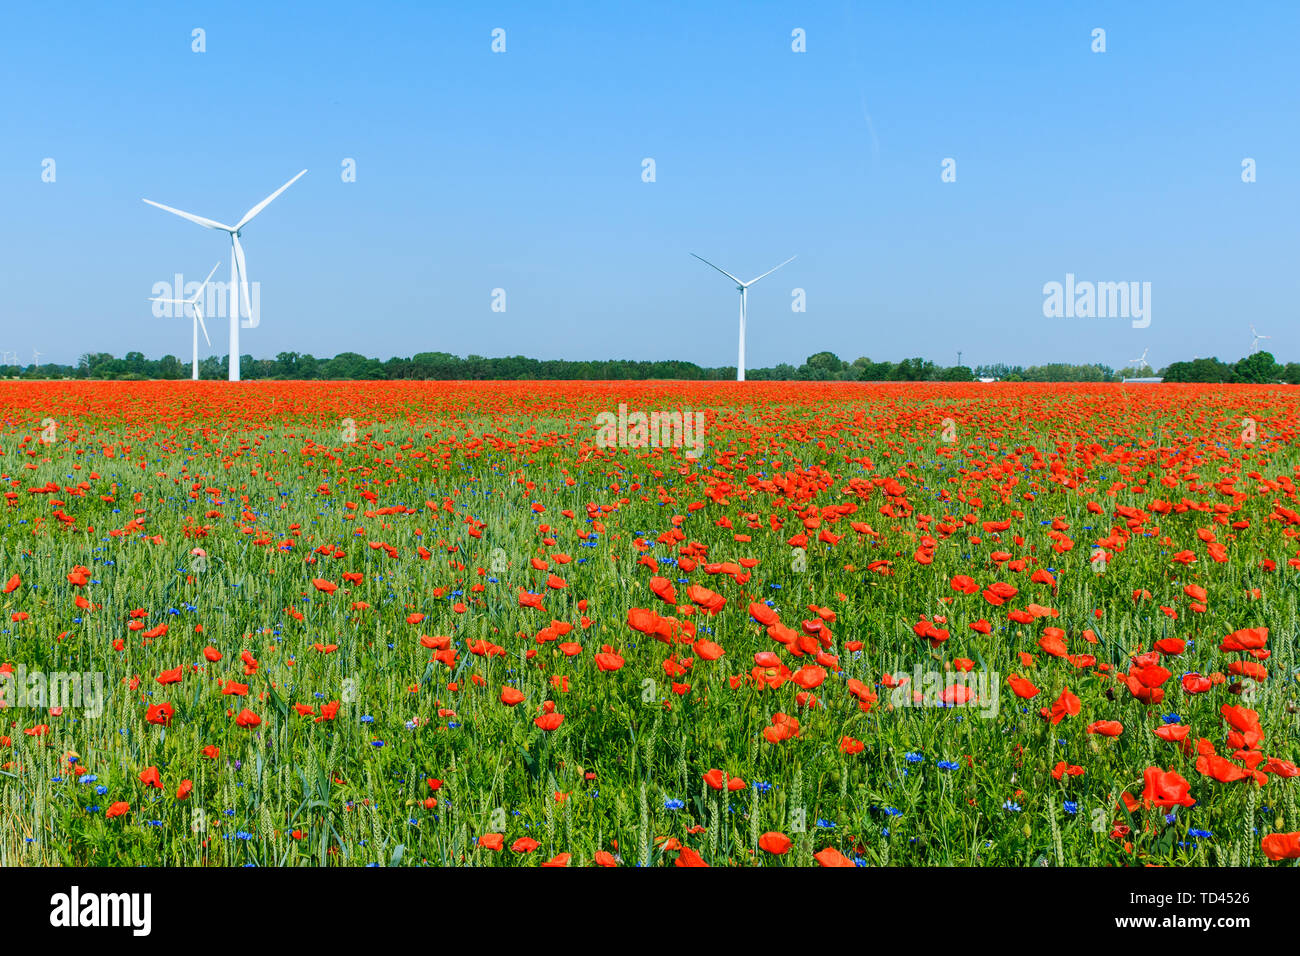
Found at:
(196, 303)
(36, 358)
(743, 288)
(1254, 345)
(1137, 363)
(238, 272)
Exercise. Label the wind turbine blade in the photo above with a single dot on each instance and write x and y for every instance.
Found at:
(209, 223)
(173, 301)
(266, 202)
(723, 271)
(199, 295)
(199, 315)
(242, 269)
(770, 271)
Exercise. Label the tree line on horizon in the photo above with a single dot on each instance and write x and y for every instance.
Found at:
(1256, 368)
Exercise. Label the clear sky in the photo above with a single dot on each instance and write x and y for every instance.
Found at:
(522, 170)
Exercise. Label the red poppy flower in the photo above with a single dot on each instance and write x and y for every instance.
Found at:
(775, 842)
(1281, 846)
(1165, 788)
(549, 722)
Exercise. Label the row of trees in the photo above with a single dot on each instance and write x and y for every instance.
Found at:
(826, 366)
(1258, 367)
(354, 366)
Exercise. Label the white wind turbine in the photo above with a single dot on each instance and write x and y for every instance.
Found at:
(195, 302)
(36, 358)
(238, 271)
(1254, 345)
(743, 288)
(1137, 363)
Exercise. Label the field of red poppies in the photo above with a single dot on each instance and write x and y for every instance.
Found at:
(539, 623)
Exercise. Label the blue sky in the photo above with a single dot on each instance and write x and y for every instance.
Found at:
(523, 171)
